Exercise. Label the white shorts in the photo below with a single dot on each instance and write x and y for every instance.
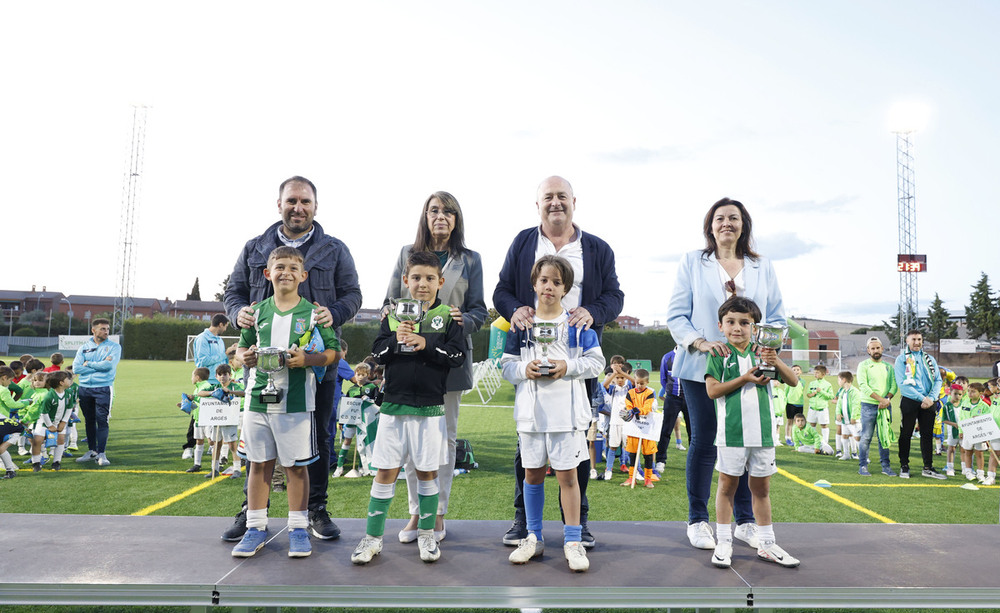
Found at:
(849, 429)
(202, 432)
(562, 450)
(420, 439)
(226, 434)
(290, 438)
(818, 416)
(951, 441)
(735, 461)
(995, 444)
(40, 429)
(969, 446)
(615, 437)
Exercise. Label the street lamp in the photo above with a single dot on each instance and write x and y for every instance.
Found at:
(69, 330)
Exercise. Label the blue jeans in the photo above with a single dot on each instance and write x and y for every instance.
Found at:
(701, 458)
(95, 404)
(869, 413)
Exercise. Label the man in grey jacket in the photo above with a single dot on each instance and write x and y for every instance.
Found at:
(332, 284)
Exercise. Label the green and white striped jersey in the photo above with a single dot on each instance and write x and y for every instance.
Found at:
(745, 416)
(274, 328)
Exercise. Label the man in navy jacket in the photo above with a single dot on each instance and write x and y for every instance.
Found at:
(594, 300)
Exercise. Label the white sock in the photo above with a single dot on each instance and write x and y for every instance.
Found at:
(825, 432)
(991, 474)
(35, 459)
(724, 532)
(765, 534)
(855, 445)
(7, 462)
(298, 519)
(58, 454)
(199, 452)
(257, 518)
(73, 435)
(840, 443)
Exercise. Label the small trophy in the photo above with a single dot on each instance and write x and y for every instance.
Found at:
(408, 309)
(772, 337)
(271, 360)
(910, 369)
(544, 334)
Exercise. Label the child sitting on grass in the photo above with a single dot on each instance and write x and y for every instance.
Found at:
(282, 429)
(746, 434)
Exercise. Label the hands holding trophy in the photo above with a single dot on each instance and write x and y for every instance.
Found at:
(407, 309)
(769, 337)
(271, 360)
(544, 334)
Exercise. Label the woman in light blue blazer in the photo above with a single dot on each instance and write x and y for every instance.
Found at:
(441, 230)
(706, 278)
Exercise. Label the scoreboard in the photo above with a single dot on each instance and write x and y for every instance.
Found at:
(909, 262)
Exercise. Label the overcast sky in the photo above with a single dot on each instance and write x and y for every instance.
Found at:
(653, 110)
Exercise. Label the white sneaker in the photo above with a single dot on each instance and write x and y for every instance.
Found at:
(528, 548)
(187, 454)
(593, 474)
(701, 536)
(773, 553)
(660, 467)
(576, 555)
(102, 460)
(723, 556)
(90, 456)
(407, 536)
(950, 472)
(338, 472)
(607, 475)
(368, 548)
(988, 481)
(681, 447)
(748, 534)
(971, 476)
(428, 545)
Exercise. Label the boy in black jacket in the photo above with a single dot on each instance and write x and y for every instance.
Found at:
(417, 358)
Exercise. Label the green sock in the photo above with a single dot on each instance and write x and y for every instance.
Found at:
(342, 457)
(428, 511)
(378, 508)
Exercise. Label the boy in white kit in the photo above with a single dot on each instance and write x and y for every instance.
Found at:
(552, 411)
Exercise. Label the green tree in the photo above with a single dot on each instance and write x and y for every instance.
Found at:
(195, 291)
(982, 315)
(891, 327)
(937, 324)
(220, 295)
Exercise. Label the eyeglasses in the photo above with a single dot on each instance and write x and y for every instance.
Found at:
(434, 211)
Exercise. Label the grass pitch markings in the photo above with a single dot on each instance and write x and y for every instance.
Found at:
(844, 501)
(169, 501)
(940, 485)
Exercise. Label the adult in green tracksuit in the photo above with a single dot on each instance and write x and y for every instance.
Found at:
(877, 381)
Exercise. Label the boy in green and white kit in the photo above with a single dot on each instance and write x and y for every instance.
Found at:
(418, 357)
(820, 393)
(202, 389)
(849, 415)
(281, 428)
(745, 434)
(950, 407)
(794, 397)
(805, 439)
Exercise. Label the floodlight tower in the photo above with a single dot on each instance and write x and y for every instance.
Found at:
(131, 191)
(907, 118)
(906, 204)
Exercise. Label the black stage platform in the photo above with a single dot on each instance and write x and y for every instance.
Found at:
(85, 559)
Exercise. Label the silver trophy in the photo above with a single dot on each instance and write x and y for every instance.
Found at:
(271, 360)
(544, 334)
(772, 337)
(408, 309)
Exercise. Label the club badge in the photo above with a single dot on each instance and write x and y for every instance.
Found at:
(437, 323)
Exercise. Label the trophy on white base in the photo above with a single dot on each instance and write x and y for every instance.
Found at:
(771, 337)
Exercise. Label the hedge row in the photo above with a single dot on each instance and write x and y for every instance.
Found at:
(164, 338)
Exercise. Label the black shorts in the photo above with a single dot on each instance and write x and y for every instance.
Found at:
(9, 427)
(791, 410)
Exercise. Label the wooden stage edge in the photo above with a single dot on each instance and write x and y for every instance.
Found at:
(160, 560)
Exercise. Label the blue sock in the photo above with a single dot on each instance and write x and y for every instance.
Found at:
(572, 534)
(534, 501)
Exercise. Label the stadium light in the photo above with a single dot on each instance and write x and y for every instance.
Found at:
(908, 116)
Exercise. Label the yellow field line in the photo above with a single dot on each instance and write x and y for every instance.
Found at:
(181, 496)
(135, 472)
(840, 499)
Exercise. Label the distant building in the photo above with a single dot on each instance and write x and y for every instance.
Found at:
(367, 316)
(195, 309)
(627, 322)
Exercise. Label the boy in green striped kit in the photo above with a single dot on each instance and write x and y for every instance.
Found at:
(745, 436)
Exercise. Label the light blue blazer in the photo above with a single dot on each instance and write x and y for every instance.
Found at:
(693, 312)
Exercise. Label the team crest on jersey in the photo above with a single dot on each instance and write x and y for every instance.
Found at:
(300, 326)
(437, 323)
